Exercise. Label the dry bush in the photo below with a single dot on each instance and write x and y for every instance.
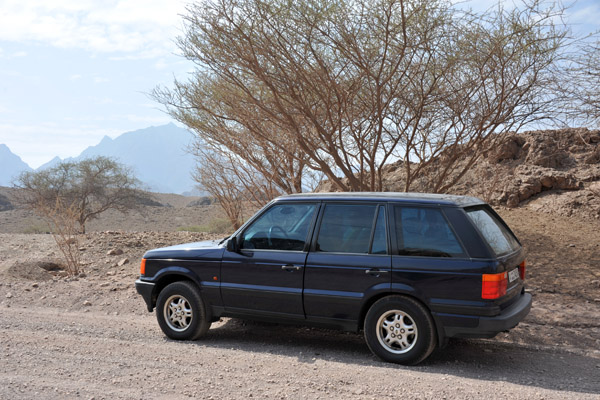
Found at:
(63, 222)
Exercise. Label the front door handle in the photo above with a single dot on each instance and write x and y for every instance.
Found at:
(291, 267)
(375, 272)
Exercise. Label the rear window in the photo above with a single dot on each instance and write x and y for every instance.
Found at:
(425, 232)
(500, 239)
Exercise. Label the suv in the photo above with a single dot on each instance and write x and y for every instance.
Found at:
(409, 269)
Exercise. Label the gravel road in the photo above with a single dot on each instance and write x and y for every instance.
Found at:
(48, 353)
(90, 337)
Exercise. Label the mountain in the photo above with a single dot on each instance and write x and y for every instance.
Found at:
(10, 165)
(156, 155)
(50, 163)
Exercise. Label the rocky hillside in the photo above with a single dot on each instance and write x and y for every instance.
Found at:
(554, 171)
(5, 204)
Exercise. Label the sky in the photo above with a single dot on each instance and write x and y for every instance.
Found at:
(74, 71)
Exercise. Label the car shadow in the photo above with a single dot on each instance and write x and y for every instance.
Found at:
(467, 358)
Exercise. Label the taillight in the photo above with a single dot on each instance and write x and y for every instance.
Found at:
(494, 286)
(143, 267)
(522, 270)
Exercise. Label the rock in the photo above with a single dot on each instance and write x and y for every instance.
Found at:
(114, 252)
(508, 149)
(9, 295)
(87, 303)
(593, 158)
(35, 285)
(123, 262)
(531, 180)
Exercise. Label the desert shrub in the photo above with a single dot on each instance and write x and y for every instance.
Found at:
(216, 225)
(192, 228)
(37, 228)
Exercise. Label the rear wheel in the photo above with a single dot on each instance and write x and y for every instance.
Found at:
(399, 329)
(181, 313)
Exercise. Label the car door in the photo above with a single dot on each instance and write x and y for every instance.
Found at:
(265, 274)
(349, 261)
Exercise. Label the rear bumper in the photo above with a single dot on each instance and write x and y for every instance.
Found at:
(146, 289)
(470, 326)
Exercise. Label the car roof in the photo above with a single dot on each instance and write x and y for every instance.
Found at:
(406, 197)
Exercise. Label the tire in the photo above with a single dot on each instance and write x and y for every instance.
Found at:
(400, 330)
(181, 313)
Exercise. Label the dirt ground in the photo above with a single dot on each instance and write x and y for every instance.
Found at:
(91, 336)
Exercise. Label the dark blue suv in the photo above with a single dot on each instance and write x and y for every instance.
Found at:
(411, 270)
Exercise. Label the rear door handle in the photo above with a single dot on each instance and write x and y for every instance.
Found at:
(291, 267)
(375, 272)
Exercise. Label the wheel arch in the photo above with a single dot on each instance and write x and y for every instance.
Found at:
(405, 293)
(170, 275)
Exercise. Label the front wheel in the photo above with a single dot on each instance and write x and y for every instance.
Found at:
(181, 313)
(399, 329)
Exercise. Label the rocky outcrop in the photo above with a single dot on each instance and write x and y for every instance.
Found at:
(554, 170)
(530, 180)
(551, 170)
(5, 204)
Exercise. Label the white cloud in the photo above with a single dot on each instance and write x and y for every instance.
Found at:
(586, 18)
(8, 56)
(144, 28)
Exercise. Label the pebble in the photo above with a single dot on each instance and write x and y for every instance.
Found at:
(114, 252)
(35, 285)
(123, 262)
(87, 303)
(9, 295)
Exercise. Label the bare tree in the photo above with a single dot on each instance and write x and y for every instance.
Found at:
(342, 88)
(85, 189)
(215, 176)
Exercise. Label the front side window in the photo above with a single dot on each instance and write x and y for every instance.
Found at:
(425, 232)
(353, 228)
(281, 227)
(500, 239)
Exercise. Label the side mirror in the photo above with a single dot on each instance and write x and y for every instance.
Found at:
(232, 245)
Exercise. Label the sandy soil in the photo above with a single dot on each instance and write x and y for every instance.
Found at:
(91, 336)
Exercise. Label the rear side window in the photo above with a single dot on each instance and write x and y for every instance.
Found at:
(500, 239)
(353, 228)
(425, 232)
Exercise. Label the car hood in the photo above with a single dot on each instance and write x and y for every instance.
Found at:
(205, 249)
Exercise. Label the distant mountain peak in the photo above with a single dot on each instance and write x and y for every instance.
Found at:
(156, 155)
(11, 165)
(106, 139)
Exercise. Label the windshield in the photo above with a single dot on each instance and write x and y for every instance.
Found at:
(500, 239)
